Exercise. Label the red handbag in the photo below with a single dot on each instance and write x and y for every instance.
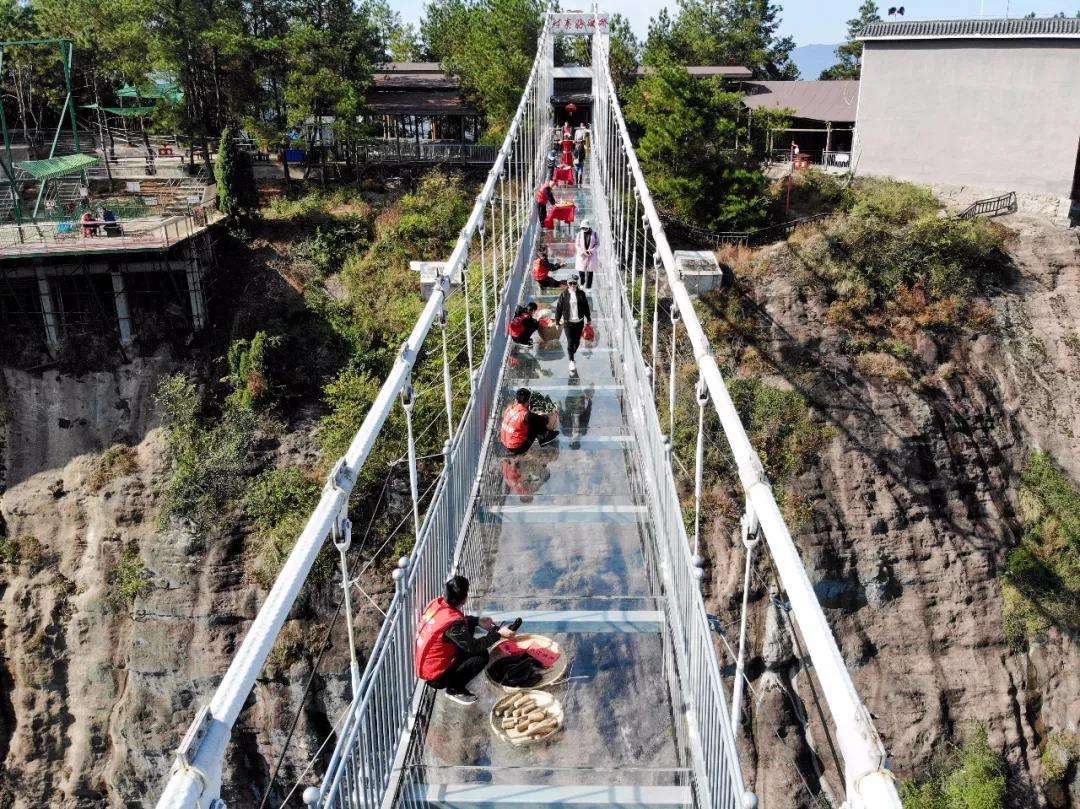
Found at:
(588, 333)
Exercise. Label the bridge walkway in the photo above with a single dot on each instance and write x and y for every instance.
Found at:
(562, 535)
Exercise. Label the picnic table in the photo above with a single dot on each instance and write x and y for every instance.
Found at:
(562, 212)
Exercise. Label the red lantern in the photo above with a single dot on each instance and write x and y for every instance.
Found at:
(571, 108)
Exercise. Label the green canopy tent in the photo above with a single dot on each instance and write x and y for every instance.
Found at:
(52, 167)
(124, 112)
(167, 90)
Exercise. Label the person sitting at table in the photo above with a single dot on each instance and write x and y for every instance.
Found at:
(544, 197)
(89, 225)
(542, 269)
(112, 227)
(567, 130)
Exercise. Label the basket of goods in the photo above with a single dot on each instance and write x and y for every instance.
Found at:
(527, 661)
(545, 406)
(526, 718)
(549, 329)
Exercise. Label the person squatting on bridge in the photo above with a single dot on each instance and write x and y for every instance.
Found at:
(586, 252)
(521, 426)
(544, 197)
(523, 325)
(542, 269)
(572, 312)
(448, 652)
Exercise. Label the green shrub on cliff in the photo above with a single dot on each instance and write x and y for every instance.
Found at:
(128, 579)
(890, 262)
(972, 777)
(1041, 584)
(210, 458)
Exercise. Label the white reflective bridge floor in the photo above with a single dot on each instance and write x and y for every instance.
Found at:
(563, 536)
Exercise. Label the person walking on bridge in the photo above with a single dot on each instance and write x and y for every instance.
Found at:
(572, 312)
(586, 252)
(448, 652)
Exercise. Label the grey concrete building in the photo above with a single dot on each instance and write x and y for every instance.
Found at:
(987, 104)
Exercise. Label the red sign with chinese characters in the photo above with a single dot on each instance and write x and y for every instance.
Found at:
(579, 24)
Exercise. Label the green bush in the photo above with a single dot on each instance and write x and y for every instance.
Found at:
(210, 460)
(236, 188)
(973, 777)
(1041, 584)
(1061, 750)
(889, 201)
(277, 493)
(781, 427)
(350, 396)
(889, 248)
(129, 579)
(22, 549)
(278, 503)
(249, 363)
(115, 462)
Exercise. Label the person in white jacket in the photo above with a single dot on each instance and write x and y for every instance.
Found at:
(586, 252)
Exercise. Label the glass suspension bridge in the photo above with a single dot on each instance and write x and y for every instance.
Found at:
(598, 554)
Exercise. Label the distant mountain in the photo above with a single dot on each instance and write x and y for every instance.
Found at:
(812, 59)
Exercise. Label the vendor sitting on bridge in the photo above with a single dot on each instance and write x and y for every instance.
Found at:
(448, 652)
(521, 426)
(543, 267)
(523, 325)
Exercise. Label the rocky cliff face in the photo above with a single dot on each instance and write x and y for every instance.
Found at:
(113, 628)
(914, 508)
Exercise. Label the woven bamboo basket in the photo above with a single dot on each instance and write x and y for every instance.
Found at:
(557, 670)
(544, 702)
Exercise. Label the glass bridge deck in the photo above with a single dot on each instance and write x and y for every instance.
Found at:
(563, 532)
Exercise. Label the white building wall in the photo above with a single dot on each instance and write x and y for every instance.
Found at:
(990, 113)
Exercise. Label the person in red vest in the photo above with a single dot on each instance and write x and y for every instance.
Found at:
(523, 325)
(448, 652)
(520, 426)
(542, 270)
(544, 197)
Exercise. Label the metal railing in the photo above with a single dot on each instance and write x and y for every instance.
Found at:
(831, 159)
(991, 206)
(869, 784)
(150, 232)
(409, 151)
(375, 726)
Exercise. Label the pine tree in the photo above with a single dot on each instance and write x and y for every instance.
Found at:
(695, 149)
(723, 32)
(237, 193)
(849, 55)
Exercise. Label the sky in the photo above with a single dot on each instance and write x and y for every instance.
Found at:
(817, 21)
